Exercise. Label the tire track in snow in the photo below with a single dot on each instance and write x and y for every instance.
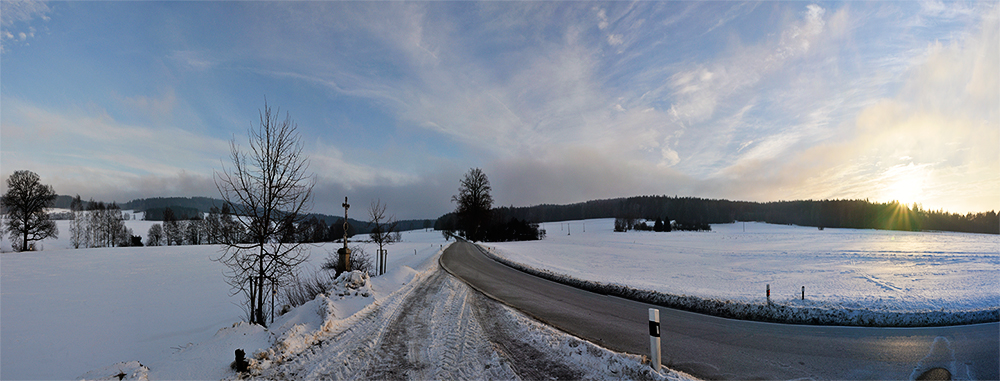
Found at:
(529, 361)
(428, 332)
(399, 356)
(437, 338)
(441, 328)
(345, 355)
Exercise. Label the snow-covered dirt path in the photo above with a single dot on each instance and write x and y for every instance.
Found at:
(437, 337)
(442, 329)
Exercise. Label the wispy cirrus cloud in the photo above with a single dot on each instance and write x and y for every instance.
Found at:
(934, 141)
(15, 21)
(559, 101)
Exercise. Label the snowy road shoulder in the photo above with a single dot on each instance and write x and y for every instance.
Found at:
(416, 321)
(442, 329)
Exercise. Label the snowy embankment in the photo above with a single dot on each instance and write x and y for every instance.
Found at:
(851, 277)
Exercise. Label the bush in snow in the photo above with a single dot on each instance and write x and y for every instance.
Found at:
(360, 261)
(304, 289)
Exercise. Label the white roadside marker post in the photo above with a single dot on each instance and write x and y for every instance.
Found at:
(654, 339)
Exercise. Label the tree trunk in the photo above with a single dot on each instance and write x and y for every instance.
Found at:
(260, 291)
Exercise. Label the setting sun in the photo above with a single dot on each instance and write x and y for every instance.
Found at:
(905, 183)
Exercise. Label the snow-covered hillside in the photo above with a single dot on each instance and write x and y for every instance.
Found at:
(951, 275)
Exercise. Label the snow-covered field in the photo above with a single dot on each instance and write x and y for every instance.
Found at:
(65, 311)
(165, 313)
(868, 277)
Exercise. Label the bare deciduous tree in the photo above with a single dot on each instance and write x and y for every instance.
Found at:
(155, 235)
(265, 186)
(25, 201)
(383, 231)
(474, 204)
(172, 229)
(78, 226)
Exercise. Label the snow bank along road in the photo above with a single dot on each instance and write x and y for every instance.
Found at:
(718, 348)
(439, 328)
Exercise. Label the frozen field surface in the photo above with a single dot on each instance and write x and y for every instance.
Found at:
(857, 277)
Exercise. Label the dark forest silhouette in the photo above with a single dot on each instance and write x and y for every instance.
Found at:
(857, 214)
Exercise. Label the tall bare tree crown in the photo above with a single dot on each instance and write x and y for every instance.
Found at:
(474, 203)
(25, 203)
(269, 188)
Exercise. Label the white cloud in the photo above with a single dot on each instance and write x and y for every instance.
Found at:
(87, 148)
(602, 17)
(576, 175)
(615, 39)
(700, 89)
(573, 100)
(934, 142)
(193, 60)
(15, 13)
(736, 11)
(332, 167)
(88, 152)
(152, 107)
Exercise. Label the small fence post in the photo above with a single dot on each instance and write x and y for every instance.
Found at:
(768, 293)
(654, 339)
(803, 292)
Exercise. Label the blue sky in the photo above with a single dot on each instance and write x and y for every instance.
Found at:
(558, 102)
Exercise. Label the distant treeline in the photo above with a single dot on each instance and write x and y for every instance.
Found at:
(857, 214)
(199, 204)
(500, 227)
(188, 208)
(180, 213)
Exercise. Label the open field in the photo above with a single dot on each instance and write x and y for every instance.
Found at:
(841, 269)
(68, 311)
(165, 313)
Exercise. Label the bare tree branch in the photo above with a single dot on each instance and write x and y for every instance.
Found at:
(383, 231)
(267, 186)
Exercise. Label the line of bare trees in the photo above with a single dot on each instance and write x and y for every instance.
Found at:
(99, 225)
(219, 226)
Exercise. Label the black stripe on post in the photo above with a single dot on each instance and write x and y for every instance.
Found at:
(654, 328)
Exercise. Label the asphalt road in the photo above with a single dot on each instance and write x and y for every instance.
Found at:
(716, 348)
